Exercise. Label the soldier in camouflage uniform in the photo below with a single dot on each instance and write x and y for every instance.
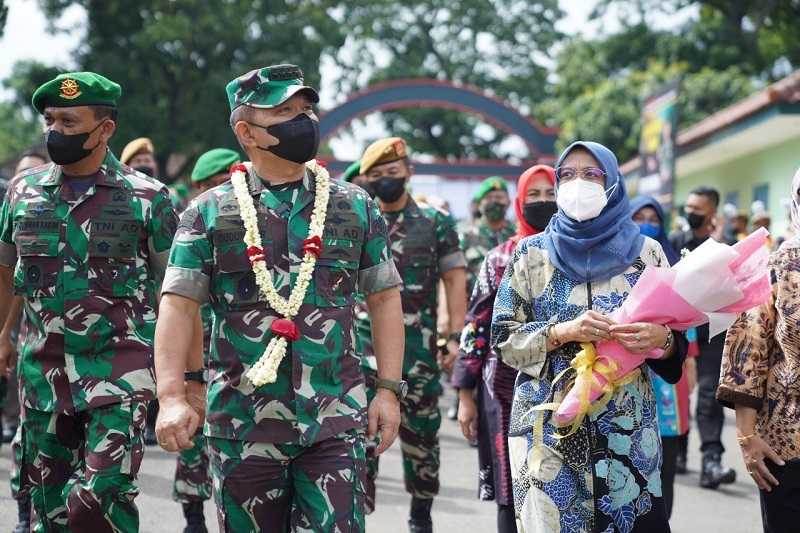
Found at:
(425, 249)
(192, 479)
(490, 230)
(84, 241)
(287, 455)
(8, 347)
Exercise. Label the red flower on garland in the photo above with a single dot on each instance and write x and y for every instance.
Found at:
(285, 328)
(480, 342)
(313, 245)
(323, 164)
(238, 167)
(255, 254)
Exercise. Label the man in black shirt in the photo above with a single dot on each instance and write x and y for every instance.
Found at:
(701, 213)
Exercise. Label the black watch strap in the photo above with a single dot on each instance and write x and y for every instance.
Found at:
(201, 376)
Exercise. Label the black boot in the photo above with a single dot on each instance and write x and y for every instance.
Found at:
(195, 519)
(23, 515)
(420, 521)
(713, 474)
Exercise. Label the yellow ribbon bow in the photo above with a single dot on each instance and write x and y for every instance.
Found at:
(587, 363)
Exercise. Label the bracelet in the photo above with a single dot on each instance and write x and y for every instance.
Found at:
(550, 333)
(668, 342)
(743, 440)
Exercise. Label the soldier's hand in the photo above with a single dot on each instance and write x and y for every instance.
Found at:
(467, 414)
(384, 416)
(8, 356)
(176, 425)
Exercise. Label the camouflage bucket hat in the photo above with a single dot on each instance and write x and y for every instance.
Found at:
(267, 87)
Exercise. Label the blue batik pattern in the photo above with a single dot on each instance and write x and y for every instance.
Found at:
(606, 476)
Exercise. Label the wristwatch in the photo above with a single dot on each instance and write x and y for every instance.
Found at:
(201, 376)
(399, 388)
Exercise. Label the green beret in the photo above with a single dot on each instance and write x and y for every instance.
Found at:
(267, 87)
(214, 162)
(73, 89)
(352, 171)
(495, 183)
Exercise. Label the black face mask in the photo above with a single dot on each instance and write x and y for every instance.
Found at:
(146, 169)
(388, 189)
(695, 220)
(538, 214)
(68, 149)
(298, 139)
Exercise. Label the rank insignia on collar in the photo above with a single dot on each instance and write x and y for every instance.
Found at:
(69, 89)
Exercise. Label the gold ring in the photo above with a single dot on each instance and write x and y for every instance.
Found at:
(638, 338)
(596, 332)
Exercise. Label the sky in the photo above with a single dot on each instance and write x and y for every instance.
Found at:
(29, 36)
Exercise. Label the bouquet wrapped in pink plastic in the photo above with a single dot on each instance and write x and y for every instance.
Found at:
(713, 283)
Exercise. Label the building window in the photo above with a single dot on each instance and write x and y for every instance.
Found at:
(761, 193)
(732, 198)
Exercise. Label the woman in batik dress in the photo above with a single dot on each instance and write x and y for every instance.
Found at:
(603, 476)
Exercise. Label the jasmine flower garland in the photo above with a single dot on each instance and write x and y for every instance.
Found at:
(265, 370)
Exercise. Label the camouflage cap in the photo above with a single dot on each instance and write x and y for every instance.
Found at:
(214, 162)
(72, 89)
(383, 151)
(267, 87)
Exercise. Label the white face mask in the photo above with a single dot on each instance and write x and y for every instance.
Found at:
(582, 200)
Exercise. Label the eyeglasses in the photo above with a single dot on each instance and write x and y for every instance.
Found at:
(570, 173)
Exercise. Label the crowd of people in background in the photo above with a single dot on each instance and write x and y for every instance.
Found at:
(495, 306)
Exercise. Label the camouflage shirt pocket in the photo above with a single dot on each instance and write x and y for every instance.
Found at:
(418, 269)
(36, 273)
(336, 272)
(113, 249)
(234, 283)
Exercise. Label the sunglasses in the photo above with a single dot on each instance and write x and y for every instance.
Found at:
(570, 173)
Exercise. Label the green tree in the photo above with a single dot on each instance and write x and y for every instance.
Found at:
(173, 60)
(20, 126)
(18, 132)
(610, 111)
(759, 37)
(499, 46)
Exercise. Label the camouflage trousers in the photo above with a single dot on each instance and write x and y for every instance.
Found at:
(19, 487)
(419, 432)
(82, 467)
(276, 488)
(192, 478)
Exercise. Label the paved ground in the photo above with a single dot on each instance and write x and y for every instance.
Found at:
(732, 510)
